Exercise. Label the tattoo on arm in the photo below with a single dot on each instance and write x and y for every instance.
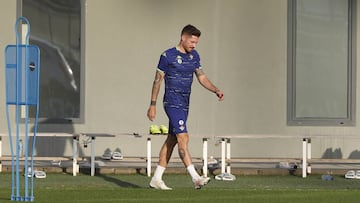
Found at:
(156, 84)
(204, 81)
(158, 77)
(156, 87)
(199, 72)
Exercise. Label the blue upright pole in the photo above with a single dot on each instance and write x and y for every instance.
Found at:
(17, 115)
(35, 129)
(22, 89)
(26, 127)
(12, 155)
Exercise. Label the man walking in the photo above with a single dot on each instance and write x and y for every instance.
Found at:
(177, 66)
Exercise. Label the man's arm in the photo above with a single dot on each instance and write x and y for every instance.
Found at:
(159, 76)
(205, 82)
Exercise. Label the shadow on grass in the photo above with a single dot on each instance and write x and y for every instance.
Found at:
(2, 199)
(111, 179)
(118, 182)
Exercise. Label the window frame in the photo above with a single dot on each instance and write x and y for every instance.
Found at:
(292, 120)
(81, 118)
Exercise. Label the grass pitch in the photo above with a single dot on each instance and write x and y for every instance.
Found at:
(134, 188)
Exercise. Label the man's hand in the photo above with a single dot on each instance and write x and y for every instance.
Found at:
(151, 112)
(220, 95)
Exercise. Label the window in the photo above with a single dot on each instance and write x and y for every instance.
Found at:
(56, 27)
(321, 62)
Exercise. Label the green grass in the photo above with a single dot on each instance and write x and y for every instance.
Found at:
(134, 188)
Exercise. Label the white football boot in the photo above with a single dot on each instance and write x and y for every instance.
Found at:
(200, 182)
(159, 185)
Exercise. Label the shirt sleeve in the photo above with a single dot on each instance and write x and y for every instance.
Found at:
(163, 63)
(197, 58)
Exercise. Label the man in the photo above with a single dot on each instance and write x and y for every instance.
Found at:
(177, 66)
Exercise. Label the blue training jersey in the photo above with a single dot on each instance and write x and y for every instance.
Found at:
(179, 70)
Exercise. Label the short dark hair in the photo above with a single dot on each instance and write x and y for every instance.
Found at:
(191, 30)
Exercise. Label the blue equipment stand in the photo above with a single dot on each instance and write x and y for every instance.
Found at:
(22, 73)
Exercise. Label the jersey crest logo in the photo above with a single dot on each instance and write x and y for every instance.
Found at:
(191, 56)
(179, 59)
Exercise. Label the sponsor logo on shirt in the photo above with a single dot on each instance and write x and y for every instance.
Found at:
(181, 123)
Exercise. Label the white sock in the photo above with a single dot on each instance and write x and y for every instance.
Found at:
(193, 173)
(158, 172)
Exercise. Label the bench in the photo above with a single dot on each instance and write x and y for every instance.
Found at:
(76, 137)
(306, 147)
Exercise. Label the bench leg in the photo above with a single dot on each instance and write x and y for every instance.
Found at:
(0, 154)
(308, 155)
(205, 157)
(92, 172)
(75, 155)
(304, 157)
(223, 146)
(148, 158)
(228, 156)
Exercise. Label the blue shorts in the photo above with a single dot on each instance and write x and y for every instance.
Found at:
(177, 120)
